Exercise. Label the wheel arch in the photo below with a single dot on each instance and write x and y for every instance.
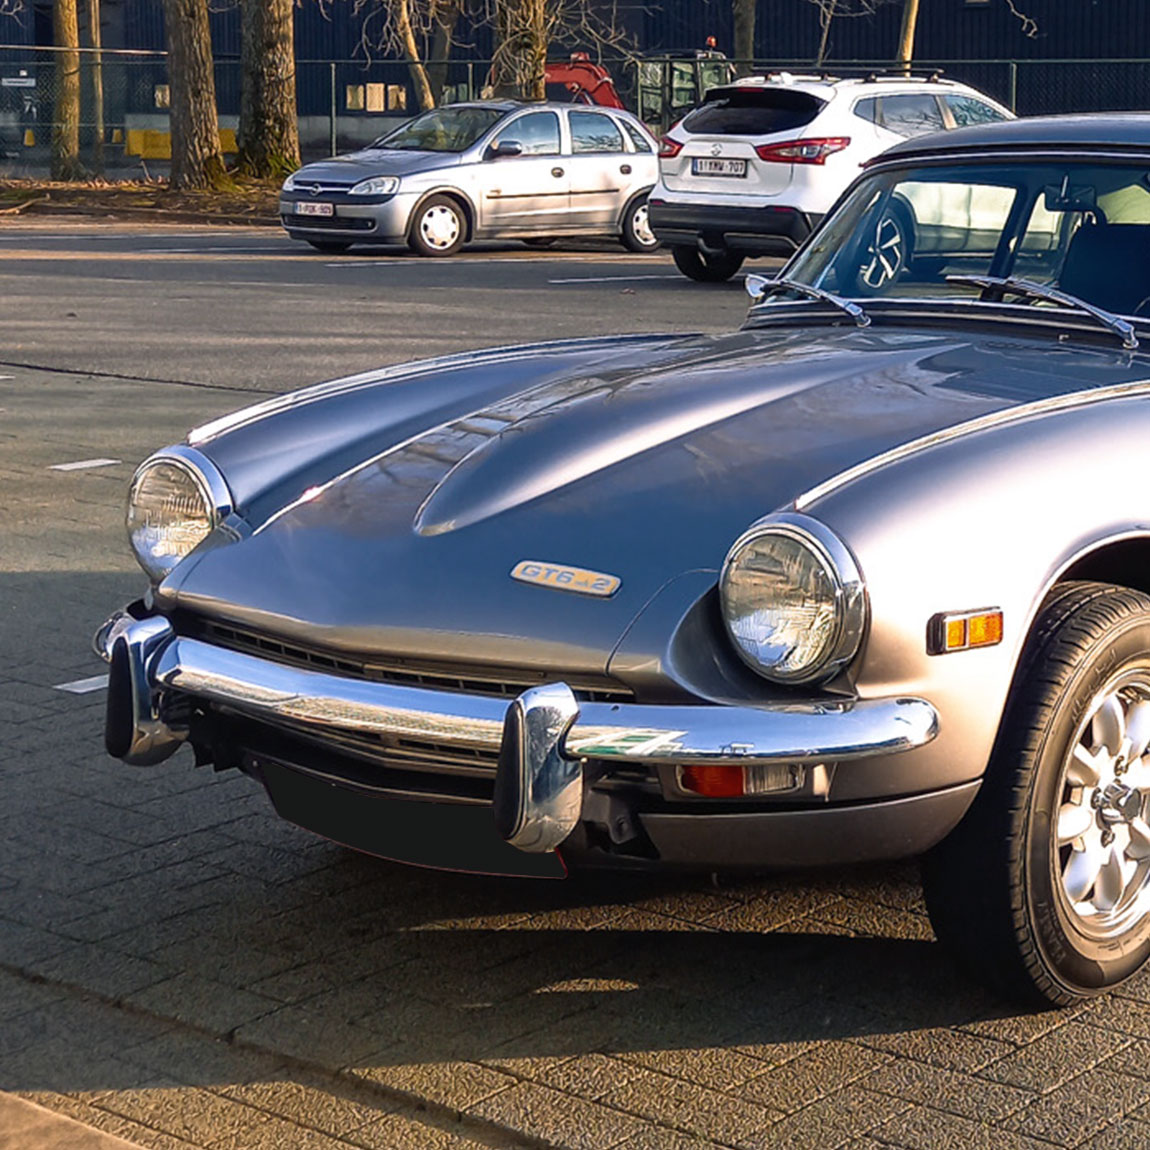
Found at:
(621, 218)
(461, 198)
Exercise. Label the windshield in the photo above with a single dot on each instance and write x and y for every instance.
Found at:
(1083, 228)
(442, 130)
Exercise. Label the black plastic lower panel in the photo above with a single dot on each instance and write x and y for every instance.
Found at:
(446, 836)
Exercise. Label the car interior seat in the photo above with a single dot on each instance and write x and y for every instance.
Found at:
(1108, 265)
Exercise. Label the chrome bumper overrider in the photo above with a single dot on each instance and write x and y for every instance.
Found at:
(543, 737)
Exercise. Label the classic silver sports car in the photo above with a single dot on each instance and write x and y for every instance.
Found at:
(867, 578)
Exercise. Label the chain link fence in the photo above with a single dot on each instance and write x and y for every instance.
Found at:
(346, 103)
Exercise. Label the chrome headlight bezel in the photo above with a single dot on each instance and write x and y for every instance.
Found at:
(848, 597)
(213, 491)
(289, 183)
(376, 186)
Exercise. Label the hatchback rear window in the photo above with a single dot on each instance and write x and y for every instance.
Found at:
(753, 111)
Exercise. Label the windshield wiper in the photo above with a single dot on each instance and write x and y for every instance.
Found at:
(759, 287)
(1028, 288)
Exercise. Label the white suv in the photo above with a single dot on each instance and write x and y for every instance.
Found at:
(754, 168)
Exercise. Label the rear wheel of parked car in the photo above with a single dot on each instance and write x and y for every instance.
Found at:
(329, 247)
(1043, 889)
(888, 253)
(637, 235)
(438, 227)
(706, 268)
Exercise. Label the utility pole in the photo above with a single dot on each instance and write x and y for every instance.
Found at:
(906, 35)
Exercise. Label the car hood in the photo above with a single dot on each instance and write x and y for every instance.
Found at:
(369, 162)
(643, 473)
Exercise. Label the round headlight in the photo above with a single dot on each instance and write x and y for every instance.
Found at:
(376, 186)
(793, 599)
(177, 499)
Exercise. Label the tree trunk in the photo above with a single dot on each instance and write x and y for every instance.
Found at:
(95, 34)
(269, 124)
(415, 66)
(520, 65)
(826, 15)
(66, 118)
(197, 161)
(906, 33)
(744, 14)
(446, 17)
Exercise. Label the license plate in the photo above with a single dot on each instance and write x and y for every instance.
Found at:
(706, 166)
(314, 209)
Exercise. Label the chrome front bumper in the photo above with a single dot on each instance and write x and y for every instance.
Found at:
(543, 737)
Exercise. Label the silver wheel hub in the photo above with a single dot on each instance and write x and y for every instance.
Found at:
(641, 225)
(885, 255)
(439, 226)
(1101, 833)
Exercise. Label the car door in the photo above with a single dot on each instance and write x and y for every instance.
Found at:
(600, 168)
(528, 192)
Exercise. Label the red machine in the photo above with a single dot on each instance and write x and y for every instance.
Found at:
(581, 82)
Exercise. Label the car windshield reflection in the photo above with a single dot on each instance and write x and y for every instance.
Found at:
(442, 130)
(1081, 228)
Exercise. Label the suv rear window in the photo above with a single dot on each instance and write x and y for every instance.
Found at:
(753, 111)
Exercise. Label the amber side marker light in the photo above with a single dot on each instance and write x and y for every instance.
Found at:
(733, 782)
(963, 630)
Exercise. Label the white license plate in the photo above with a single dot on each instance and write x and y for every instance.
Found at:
(706, 166)
(313, 209)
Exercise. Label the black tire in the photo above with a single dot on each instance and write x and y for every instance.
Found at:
(329, 247)
(888, 253)
(636, 235)
(438, 227)
(1009, 891)
(707, 269)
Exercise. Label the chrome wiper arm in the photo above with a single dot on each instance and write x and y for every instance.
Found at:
(759, 287)
(1024, 287)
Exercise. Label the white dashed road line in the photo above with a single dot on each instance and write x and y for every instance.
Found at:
(82, 464)
(84, 686)
(613, 279)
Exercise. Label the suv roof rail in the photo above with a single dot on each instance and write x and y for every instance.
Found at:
(867, 74)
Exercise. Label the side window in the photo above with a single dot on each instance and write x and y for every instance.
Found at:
(594, 132)
(637, 138)
(867, 109)
(538, 132)
(967, 110)
(911, 115)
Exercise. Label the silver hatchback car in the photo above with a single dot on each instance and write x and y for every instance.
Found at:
(485, 170)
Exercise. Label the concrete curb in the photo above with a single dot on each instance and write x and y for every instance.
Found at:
(26, 1126)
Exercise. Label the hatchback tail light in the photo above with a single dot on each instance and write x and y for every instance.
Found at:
(669, 148)
(802, 151)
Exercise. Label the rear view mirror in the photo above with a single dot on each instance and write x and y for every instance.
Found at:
(1069, 197)
(505, 148)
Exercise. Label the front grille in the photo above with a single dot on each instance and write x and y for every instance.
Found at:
(343, 223)
(496, 682)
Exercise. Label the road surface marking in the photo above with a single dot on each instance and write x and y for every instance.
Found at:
(84, 686)
(83, 464)
(613, 279)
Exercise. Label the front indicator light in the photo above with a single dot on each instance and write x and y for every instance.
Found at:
(963, 631)
(734, 782)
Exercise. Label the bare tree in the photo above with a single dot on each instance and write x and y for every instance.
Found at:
(197, 160)
(269, 122)
(66, 117)
(743, 12)
(829, 10)
(906, 33)
(96, 38)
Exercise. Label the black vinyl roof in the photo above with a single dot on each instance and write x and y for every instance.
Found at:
(1104, 131)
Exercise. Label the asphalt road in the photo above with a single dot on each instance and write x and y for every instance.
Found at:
(180, 968)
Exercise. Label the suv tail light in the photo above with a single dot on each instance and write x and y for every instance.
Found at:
(669, 148)
(802, 151)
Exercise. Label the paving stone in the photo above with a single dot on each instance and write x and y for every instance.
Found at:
(316, 1103)
(1081, 1107)
(962, 1094)
(694, 1109)
(834, 1119)
(715, 1067)
(588, 1076)
(214, 1006)
(456, 1085)
(1122, 1014)
(186, 1112)
(398, 1130)
(949, 1049)
(924, 1128)
(1126, 1134)
(1056, 1057)
(812, 1075)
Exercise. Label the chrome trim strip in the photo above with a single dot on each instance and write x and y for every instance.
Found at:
(809, 732)
(206, 474)
(969, 427)
(135, 731)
